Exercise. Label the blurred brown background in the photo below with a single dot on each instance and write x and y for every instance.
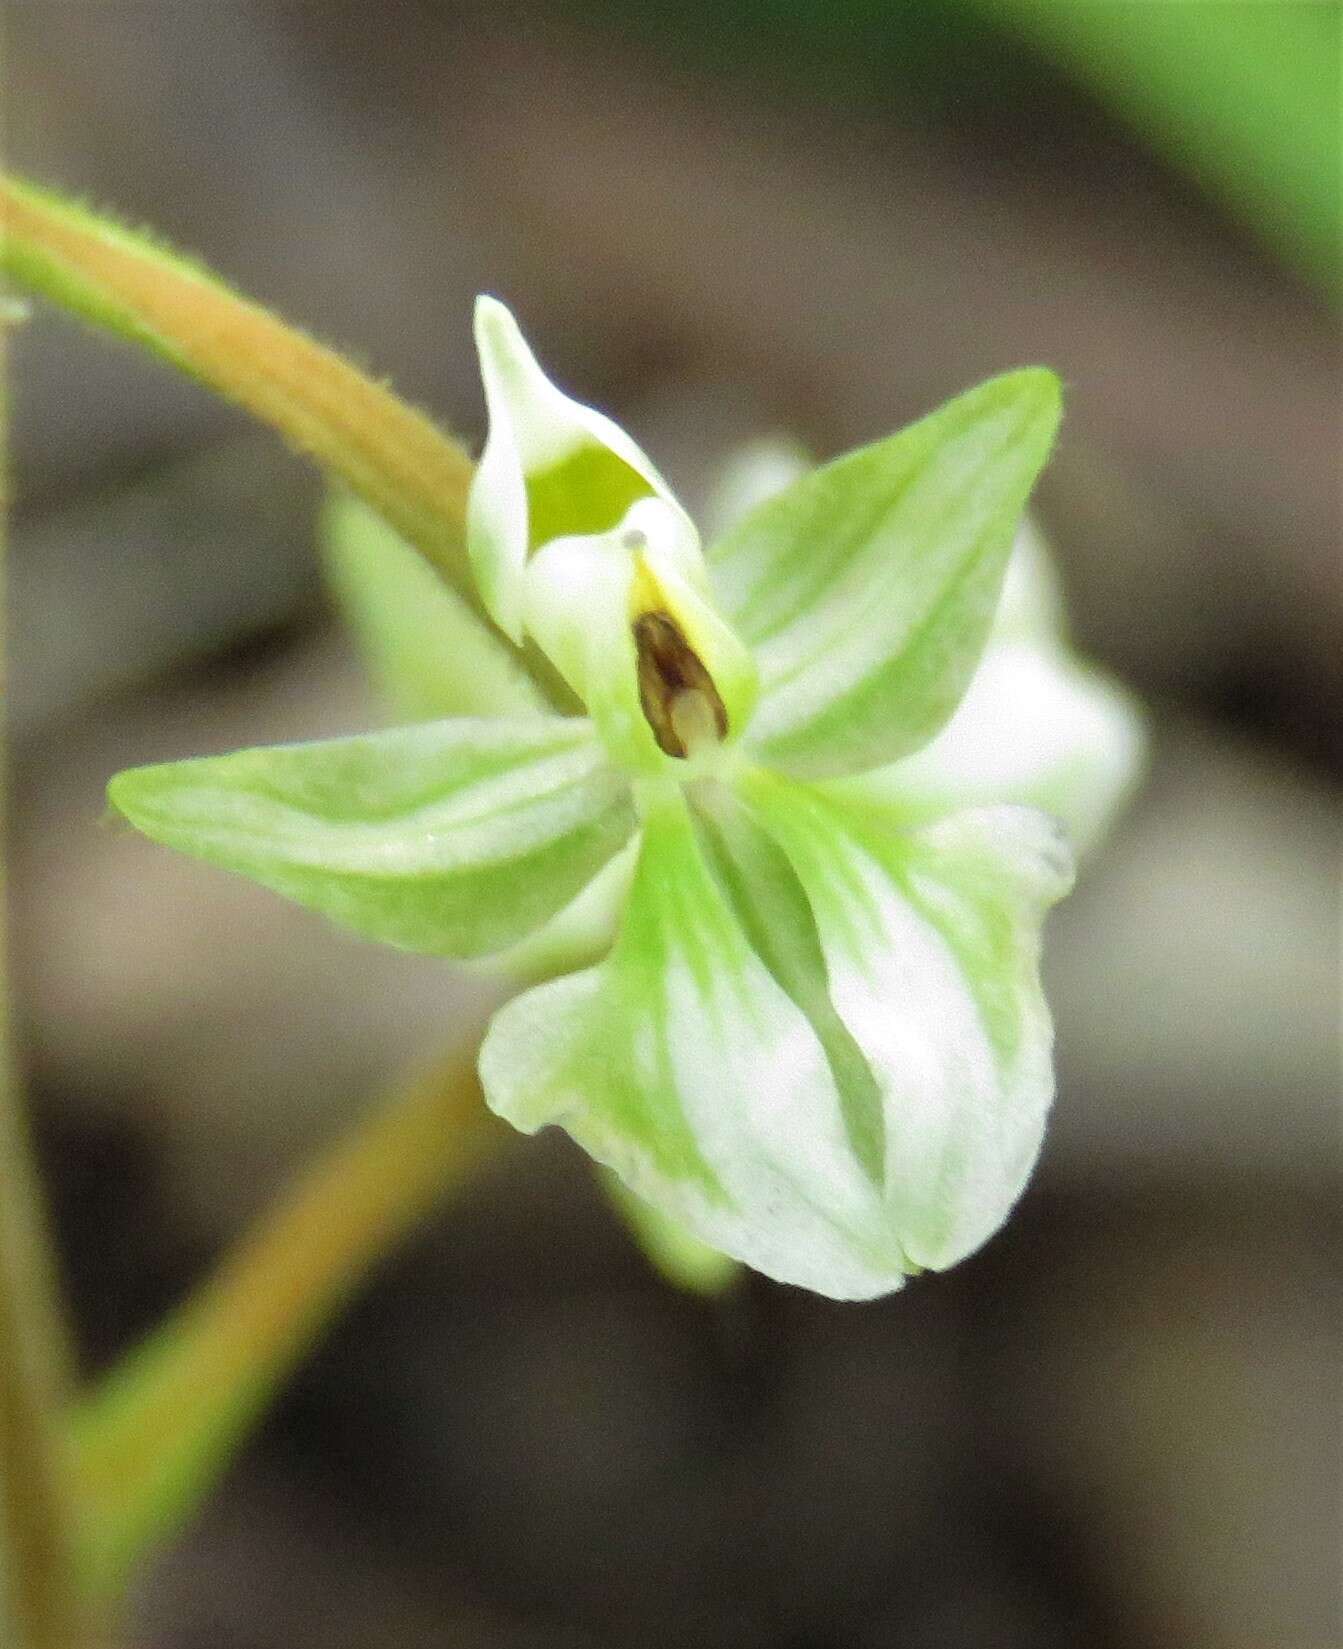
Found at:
(1118, 1426)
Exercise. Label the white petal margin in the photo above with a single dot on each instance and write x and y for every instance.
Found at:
(931, 943)
(456, 838)
(671, 1250)
(1035, 728)
(533, 428)
(681, 1064)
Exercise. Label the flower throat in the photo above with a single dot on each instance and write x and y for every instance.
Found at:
(676, 692)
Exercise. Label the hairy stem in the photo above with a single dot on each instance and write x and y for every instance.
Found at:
(383, 449)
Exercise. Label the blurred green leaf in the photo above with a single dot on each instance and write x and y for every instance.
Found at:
(1245, 97)
(1242, 95)
(426, 654)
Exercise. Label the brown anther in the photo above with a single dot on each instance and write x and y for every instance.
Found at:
(668, 668)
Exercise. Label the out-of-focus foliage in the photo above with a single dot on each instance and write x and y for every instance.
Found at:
(1247, 98)
(1243, 95)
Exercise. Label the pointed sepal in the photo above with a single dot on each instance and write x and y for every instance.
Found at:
(456, 838)
(866, 588)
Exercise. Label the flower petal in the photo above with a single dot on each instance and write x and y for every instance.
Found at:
(670, 1249)
(574, 937)
(584, 599)
(1037, 727)
(867, 587)
(681, 1063)
(456, 837)
(1031, 605)
(576, 540)
(931, 944)
(752, 473)
(551, 468)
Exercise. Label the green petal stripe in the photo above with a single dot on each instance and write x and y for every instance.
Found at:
(456, 838)
(768, 900)
(868, 586)
(931, 944)
(682, 1064)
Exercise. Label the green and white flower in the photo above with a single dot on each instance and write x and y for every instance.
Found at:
(813, 1035)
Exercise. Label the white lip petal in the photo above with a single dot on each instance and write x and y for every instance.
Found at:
(699, 1064)
(684, 1066)
(931, 945)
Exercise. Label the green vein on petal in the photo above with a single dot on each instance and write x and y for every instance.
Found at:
(931, 945)
(868, 586)
(768, 901)
(456, 838)
(682, 1064)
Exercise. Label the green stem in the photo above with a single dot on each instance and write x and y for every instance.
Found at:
(386, 451)
(37, 1609)
(36, 1595)
(153, 1439)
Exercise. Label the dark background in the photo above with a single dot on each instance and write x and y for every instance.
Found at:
(1117, 1426)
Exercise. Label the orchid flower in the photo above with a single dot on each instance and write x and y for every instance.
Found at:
(1036, 725)
(814, 1035)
